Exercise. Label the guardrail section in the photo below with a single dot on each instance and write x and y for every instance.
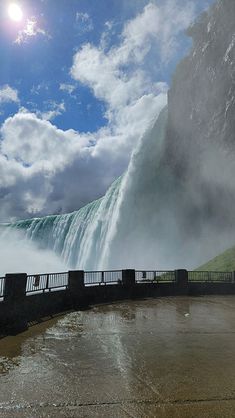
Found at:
(211, 276)
(102, 277)
(155, 276)
(2, 286)
(41, 283)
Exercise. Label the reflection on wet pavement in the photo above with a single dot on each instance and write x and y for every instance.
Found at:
(167, 357)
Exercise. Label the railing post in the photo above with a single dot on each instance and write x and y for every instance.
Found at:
(181, 277)
(128, 278)
(15, 297)
(76, 288)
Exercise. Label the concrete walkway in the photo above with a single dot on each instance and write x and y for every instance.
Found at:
(168, 357)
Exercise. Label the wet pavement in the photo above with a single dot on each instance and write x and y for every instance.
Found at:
(167, 357)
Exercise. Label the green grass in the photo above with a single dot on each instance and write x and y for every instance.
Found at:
(223, 262)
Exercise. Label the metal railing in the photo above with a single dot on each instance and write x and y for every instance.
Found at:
(38, 283)
(2, 286)
(102, 277)
(155, 276)
(211, 276)
(42, 283)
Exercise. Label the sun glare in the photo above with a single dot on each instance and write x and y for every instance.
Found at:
(15, 12)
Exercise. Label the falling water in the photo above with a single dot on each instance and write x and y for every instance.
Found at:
(77, 237)
(84, 238)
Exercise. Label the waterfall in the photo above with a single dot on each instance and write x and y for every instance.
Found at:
(77, 237)
(148, 219)
(84, 238)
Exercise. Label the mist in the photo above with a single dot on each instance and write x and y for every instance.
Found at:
(177, 209)
(20, 255)
(165, 221)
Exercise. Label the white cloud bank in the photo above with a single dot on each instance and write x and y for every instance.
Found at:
(46, 170)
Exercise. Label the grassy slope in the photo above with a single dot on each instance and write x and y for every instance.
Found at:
(223, 262)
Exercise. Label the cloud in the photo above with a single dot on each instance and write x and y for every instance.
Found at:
(68, 88)
(44, 169)
(84, 21)
(118, 75)
(51, 110)
(31, 30)
(47, 170)
(43, 86)
(25, 139)
(8, 94)
(56, 109)
(161, 23)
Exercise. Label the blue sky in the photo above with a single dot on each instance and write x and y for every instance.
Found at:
(80, 81)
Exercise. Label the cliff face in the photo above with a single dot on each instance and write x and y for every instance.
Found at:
(201, 100)
(200, 136)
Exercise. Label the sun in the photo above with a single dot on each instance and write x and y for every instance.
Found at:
(15, 12)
